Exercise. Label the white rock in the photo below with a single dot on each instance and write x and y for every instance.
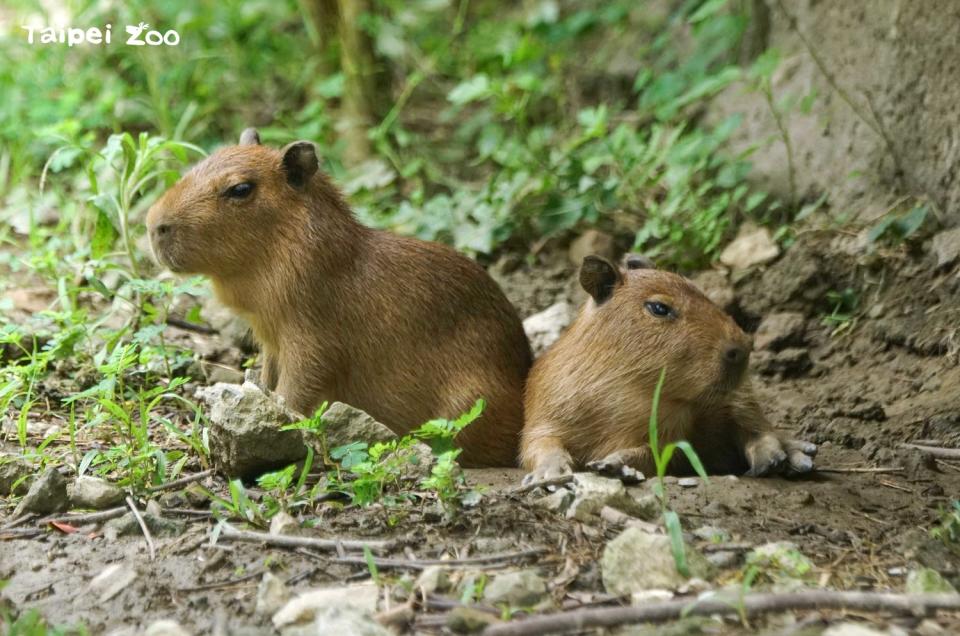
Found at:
(518, 589)
(753, 246)
(282, 523)
(635, 561)
(592, 492)
(433, 579)
(165, 628)
(272, 594)
(304, 607)
(688, 482)
(946, 245)
(544, 328)
(336, 620)
(111, 581)
(851, 629)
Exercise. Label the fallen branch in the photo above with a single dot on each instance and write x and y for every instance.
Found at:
(861, 469)
(183, 481)
(936, 451)
(750, 605)
(190, 326)
(288, 541)
(87, 517)
(422, 564)
(143, 528)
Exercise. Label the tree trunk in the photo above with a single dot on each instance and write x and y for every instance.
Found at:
(366, 84)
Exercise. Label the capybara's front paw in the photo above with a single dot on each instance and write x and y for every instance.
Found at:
(620, 465)
(552, 466)
(771, 455)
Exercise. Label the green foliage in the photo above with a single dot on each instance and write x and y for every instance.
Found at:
(661, 459)
(844, 306)
(895, 228)
(947, 529)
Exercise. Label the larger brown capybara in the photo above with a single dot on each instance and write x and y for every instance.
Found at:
(404, 329)
(589, 397)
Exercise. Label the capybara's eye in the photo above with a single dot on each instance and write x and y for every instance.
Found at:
(240, 191)
(658, 309)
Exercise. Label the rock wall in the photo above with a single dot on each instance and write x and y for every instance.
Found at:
(899, 62)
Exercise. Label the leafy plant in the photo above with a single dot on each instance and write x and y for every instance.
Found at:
(947, 529)
(843, 314)
(895, 228)
(661, 459)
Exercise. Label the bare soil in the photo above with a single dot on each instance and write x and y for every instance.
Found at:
(887, 377)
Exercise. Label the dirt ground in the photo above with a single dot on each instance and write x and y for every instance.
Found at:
(859, 389)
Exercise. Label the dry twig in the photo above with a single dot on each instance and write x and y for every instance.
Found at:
(422, 564)
(143, 528)
(183, 481)
(750, 605)
(287, 541)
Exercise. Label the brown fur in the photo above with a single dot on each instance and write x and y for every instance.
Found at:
(589, 397)
(404, 329)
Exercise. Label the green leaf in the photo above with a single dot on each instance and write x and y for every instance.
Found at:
(672, 523)
(473, 89)
(693, 458)
(104, 235)
(371, 565)
(912, 221)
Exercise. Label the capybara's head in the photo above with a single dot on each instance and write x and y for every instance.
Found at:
(656, 319)
(229, 210)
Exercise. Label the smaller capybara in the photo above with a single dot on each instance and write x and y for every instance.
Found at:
(589, 397)
(404, 329)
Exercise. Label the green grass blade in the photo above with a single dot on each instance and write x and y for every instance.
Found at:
(693, 458)
(675, 532)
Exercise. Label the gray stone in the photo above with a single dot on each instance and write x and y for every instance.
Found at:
(946, 246)
(780, 330)
(272, 594)
(335, 619)
(591, 242)
(127, 525)
(716, 286)
(95, 493)
(282, 523)
(111, 581)
(544, 328)
(305, 607)
(927, 580)
(165, 628)
(245, 435)
(47, 494)
(14, 469)
(433, 579)
(523, 588)
(557, 501)
(688, 482)
(712, 534)
(791, 362)
(346, 424)
(753, 246)
(468, 620)
(592, 492)
(782, 561)
(636, 560)
(724, 559)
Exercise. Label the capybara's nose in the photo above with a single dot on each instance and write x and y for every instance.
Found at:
(735, 355)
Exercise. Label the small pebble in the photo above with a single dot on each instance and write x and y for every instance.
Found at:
(688, 482)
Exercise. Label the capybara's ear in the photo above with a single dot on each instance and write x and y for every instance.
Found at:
(299, 162)
(599, 278)
(638, 261)
(250, 137)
